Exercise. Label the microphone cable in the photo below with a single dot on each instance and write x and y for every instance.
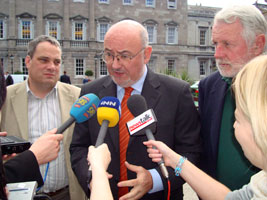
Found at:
(46, 171)
(169, 189)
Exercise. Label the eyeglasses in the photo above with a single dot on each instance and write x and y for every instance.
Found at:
(108, 57)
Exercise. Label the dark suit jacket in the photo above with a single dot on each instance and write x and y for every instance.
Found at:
(65, 79)
(212, 92)
(24, 167)
(178, 127)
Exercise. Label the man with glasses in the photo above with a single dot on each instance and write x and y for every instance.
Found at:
(126, 53)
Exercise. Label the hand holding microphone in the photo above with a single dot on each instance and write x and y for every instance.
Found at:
(83, 109)
(108, 115)
(143, 123)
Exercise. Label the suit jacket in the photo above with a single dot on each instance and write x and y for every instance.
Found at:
(23, 167)
(65, 79)
(178, 127)
(212, 91)
(15, 121)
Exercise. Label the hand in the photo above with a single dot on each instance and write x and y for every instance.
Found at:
(141, 185)
(169, 156)
(99, 157)
(46, 147)
(6, 157)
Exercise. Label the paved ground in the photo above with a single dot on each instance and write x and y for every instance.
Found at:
(189, 193)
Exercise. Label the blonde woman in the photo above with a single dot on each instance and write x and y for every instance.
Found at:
(250, 89)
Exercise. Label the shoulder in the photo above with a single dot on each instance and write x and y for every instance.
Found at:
(15, 88)
(64, 87)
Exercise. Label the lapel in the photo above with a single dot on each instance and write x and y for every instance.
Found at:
(19, 102)
(217, 96)
(150, 92)
(110, 89)
(66, 100)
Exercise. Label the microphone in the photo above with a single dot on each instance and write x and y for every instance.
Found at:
(108, 115)
(82, 109)
(144, 123)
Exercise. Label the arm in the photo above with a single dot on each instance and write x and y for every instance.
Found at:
(25, 166)
(100, 158)
(205, 186)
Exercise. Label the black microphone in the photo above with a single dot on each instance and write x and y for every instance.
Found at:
(144, 123)
(108, 115)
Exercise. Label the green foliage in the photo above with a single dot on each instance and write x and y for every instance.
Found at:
(17, 72)
(89, 73)
(183, 75)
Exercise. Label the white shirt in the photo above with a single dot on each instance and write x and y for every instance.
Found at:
(44, 115)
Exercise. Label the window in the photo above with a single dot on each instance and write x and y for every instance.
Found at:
(203, 36)
(103, 68)
(150, 3)
(26, 29)
(79, 66)
(103, 1)
(53, 29)
(127, 2)
(171, 4)
(151, 29)
(202, 67)
(23, 66)
(2, 29)
(172, 35)
(79, 31)
(171, 66)
(102, 29)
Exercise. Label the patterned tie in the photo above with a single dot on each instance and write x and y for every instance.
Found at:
(126, 116)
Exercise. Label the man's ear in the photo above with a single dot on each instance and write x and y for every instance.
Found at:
(259, 44)
(27, 61)
(147, 54)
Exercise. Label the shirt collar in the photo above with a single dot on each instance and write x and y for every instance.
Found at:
(138, 86)
(228, 80)
(55, 89)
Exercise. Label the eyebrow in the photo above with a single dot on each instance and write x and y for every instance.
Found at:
(119, 52)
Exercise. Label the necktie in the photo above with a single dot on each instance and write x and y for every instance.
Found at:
(124, 137)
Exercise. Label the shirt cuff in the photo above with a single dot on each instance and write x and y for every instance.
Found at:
(157, 182)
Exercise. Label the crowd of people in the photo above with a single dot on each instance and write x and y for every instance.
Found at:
(197, 146)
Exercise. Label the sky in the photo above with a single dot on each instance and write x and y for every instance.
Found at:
(223, 3)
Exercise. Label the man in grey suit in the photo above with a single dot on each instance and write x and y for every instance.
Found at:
(42, 103)
(126, 53)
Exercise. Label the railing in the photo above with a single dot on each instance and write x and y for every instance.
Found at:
(74, 43)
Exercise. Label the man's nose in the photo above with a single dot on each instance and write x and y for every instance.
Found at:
(219, 52)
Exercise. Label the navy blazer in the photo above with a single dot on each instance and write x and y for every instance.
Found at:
(178, 126)
(212, 92)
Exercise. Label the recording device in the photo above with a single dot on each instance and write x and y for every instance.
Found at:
(108, 115)
(144, 123)
(82, 109)
(13, 144)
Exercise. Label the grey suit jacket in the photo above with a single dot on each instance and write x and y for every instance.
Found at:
(14, 120)
(178, 127)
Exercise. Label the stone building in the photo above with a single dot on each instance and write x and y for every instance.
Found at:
(179, 34)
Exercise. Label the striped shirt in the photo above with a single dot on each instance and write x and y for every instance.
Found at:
(43, 115)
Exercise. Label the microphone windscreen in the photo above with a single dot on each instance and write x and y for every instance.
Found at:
(137, 104)
(108, 109)
(84, 108)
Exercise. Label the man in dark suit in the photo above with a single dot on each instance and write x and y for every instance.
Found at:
(9, 79)
(126, 53)
(65, 78)
(239, 35)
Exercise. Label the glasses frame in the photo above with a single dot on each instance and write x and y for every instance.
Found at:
(118, 56)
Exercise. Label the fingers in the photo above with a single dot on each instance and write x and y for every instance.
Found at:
(3, 134)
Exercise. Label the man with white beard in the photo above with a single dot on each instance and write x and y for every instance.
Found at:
(238, 34)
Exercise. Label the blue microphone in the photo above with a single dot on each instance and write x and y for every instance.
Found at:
(83, 109)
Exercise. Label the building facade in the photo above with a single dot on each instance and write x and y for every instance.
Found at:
(179, 34)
